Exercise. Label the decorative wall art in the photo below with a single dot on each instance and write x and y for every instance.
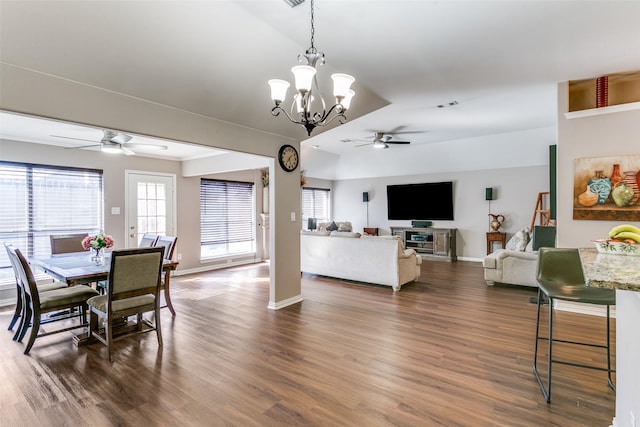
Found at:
(607, 188)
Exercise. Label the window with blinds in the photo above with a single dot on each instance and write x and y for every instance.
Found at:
(315, 204)
(227, 218)
(38, 200)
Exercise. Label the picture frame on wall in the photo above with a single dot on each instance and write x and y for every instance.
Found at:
(607, 188)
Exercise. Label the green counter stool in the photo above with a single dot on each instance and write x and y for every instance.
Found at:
(560, 277)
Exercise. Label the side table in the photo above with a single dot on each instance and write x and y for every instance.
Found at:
(371, 231)
(495, 236)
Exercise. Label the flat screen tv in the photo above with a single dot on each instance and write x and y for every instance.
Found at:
(425, 201)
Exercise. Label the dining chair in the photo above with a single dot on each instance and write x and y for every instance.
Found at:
(132, 289)
(169, 244)
(148, 240)
(43, 286)
(560, 277)
(37, 303)
(67, 243)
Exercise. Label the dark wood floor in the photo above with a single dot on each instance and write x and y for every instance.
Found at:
(445, 351)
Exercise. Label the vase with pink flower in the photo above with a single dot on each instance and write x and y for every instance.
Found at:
(97, 244)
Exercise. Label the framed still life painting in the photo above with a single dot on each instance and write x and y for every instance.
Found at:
(607, 188)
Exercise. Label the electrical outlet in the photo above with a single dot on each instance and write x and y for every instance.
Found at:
(179, 257)
(293, 217)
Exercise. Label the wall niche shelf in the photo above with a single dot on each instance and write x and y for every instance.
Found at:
(603, 110)
(622, 93)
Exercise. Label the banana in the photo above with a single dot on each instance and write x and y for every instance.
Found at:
(628, 235)
(622, 228)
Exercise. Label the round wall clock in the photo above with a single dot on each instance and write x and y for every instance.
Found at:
(288, 158)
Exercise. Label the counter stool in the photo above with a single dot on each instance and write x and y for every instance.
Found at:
(560, 277)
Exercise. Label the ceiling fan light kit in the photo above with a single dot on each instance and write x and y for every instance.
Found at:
(111, 147)
(308, 107)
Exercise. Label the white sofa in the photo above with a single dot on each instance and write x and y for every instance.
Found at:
(518, 263)
(511, 266)
(380, 260)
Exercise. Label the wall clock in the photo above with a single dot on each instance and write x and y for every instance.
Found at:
(288, 158)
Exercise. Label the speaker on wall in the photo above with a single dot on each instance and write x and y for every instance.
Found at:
(488, 193)
(365, 196)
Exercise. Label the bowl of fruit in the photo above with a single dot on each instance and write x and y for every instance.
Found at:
(623, 240)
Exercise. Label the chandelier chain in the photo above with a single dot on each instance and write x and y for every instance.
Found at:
(313, 28)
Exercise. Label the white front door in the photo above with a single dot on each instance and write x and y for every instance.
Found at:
(150, 205)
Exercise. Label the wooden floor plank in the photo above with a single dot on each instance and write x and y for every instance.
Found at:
(447, 350)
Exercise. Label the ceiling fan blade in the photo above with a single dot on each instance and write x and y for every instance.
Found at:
(398, 142)
(82, 146)
(77, 139)
(362, 145)
(127, 152)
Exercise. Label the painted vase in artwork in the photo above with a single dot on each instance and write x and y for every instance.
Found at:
(616, 176)
(600, 185)
(632, 179)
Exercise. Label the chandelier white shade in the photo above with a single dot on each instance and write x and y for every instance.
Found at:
(308, 107)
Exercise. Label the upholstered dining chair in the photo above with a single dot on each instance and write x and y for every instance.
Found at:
(67, 243)
(148, 240)
(560, 277)
(132, 289)
(37, 303)
(169, 244)
(19, 312)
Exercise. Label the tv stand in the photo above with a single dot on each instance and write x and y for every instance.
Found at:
(433, 243)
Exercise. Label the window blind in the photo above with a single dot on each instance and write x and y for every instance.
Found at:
(227, 215)
(38, 200)
(315, 204)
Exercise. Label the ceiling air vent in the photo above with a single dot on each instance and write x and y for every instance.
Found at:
(294, 3)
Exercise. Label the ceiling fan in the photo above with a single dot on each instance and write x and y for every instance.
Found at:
(380, 140)
(115, 142)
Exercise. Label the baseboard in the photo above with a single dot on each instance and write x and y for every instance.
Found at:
(581, 308)
(285, 303)
(215, 266)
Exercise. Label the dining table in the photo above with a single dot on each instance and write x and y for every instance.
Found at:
(78, 268)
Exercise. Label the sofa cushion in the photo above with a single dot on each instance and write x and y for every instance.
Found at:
(519, 240)
(332, 226)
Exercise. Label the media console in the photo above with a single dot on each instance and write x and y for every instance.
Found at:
(432, 243)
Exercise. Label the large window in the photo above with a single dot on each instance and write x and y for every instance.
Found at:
(315, 204)
(37, 201)
(227, 212)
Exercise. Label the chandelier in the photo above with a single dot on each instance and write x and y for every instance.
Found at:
(308, 108)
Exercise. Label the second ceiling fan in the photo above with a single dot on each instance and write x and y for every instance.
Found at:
(380, 140)
(115, 142)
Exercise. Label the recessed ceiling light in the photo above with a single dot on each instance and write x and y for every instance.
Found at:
(448, 104)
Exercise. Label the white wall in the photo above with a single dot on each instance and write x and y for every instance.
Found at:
(515, 193)
(602, 136)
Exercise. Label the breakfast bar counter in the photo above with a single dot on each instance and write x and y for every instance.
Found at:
(622, 273)
(610, 271)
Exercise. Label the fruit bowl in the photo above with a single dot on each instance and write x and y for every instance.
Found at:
(606, 246)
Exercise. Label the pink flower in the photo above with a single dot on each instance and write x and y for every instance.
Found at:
(98, 241)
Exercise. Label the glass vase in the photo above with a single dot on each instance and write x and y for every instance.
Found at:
(97, 256)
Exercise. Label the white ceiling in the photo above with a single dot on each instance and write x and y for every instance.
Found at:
(499, 60)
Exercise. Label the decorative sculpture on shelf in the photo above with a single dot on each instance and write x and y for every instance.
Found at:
(496, 222)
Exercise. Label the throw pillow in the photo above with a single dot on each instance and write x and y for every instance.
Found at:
(519, 240)
(343, 227)
(332, 226)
